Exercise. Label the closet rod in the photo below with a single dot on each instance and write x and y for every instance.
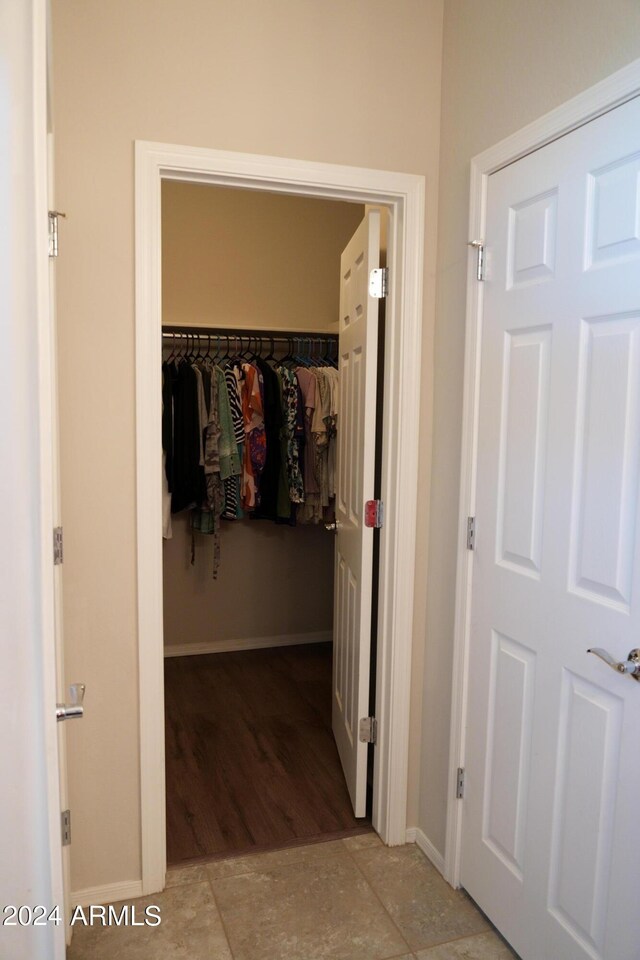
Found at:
(280, 336)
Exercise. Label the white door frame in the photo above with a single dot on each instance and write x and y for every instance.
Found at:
(31, 846)
(403, 194)
(604, 96)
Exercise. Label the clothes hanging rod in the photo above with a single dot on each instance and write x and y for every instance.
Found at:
(281, 336)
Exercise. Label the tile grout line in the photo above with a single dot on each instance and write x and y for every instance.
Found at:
(187, 883)
(412, 952)
(234, 876)
(220, 917)
(375, 893)
(345, 849)
(464, 936)
(371, 888)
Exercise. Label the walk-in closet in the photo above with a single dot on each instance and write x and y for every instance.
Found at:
(251, 426)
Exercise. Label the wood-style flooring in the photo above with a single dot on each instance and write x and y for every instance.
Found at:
(251, 760)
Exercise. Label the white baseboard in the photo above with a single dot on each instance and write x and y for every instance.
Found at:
(415, 835)
(252, 643)
(108, 893)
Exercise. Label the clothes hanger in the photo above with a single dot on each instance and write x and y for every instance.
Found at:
(270, 358)
(310, 358)
(222, 353)
(172, 348)
(299, 357)
(246, 354)
(288, 358)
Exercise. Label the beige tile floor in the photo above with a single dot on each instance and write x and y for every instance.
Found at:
(349, 899)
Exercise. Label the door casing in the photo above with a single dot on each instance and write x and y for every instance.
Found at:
(30, 796)
(597, 100)
(403, 195)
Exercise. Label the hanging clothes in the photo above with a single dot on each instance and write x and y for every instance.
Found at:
(188, 473)
(233, 377)
(255, 445)
(206, 518)
(267, 502)
(248, 437)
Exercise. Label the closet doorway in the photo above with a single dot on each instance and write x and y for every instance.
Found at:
(404, 196)
(251, 285)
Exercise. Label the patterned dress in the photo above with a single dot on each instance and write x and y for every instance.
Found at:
(290, 402)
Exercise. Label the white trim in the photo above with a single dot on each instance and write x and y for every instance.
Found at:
(416, 835)
(107, 893)
(48, 479)
(604, 96)
(404, 195)
(251, 643)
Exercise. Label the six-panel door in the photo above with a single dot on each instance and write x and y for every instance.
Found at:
(550, 846)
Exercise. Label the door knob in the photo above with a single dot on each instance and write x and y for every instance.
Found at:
(631, 665)
(75, 709)
(333, 526)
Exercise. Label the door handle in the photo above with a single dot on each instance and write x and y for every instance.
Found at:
(75, 709)
(631, 665)
(334, 526)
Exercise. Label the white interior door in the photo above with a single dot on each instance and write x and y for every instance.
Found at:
(62, 691)
(550, 846)
(30, 861)
(355, 467)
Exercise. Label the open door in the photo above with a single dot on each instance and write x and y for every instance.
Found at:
(355, 471)
(62, 693)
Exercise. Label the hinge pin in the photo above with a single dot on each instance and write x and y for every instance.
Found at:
(471, 533)
(65, 823)
(53, 231)
(368, 732)
(58, 546)
(374, 514)
(379, 283)
(478, 246)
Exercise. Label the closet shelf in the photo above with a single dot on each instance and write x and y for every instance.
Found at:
(173, 333)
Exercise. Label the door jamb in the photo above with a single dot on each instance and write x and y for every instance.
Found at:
(404, 195)
(611, 92)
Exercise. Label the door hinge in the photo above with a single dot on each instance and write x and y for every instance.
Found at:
(53, 231)
(460, 784)
(374, 514)
(478, 246)
(471, 533)
(379, 283)
(58, 552)
(65, 821)
(368, 730)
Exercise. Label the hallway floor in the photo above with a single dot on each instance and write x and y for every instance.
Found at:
(350, 899)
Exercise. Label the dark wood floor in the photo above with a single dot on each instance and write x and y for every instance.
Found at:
(251, 760)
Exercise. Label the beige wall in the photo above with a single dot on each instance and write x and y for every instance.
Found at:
(241, 258)
(273, 581)
(505, 63)
(351, 83)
